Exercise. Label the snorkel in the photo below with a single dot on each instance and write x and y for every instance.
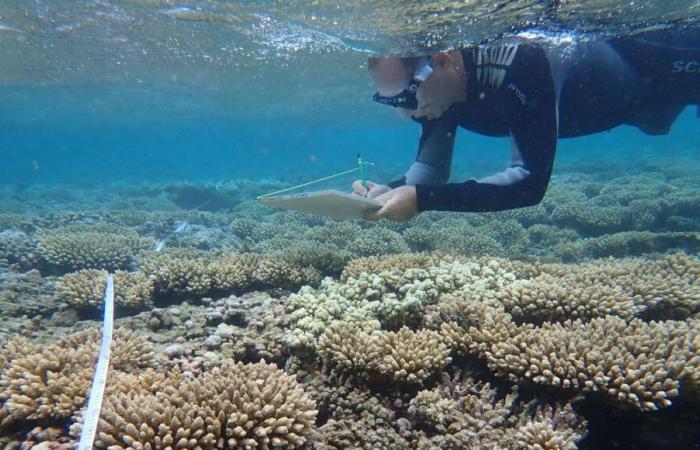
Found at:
(407, 97)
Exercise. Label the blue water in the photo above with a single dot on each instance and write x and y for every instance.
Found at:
(116, 149)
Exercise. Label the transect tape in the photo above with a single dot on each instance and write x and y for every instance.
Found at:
(92, 414)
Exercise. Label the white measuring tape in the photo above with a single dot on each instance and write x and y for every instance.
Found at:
(92, 414)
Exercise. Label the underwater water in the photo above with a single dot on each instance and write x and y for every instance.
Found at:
(135, 139)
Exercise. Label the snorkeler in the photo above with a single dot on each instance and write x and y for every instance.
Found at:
(534, 88)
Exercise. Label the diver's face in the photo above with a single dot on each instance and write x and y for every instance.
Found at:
(434, 96)
(391, 78)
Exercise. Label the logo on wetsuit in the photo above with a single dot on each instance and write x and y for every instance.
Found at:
(686, 67)
(518, 93)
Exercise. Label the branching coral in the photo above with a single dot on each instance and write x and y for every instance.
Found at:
(464, 414)
(236, 406)
(191, 273)
(52, 381)
(636, 363)
(70, 250)
(405, 356)
(358, 419)
(84, 289)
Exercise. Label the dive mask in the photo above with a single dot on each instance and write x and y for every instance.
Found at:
(407, 97)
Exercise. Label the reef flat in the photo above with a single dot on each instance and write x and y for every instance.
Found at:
(571, 324)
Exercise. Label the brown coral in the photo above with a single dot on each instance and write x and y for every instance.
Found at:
(637, 363)
(465, 414)
(85, 289)
(405, 356)
(71, 250)
(237, 406)
(52, 381)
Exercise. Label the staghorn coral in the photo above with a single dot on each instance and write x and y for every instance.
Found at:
(462, 413)
(377, 241)
(195, 274)
(84, 289)
(232, 272)
(235, 406)
(179, 272)
(550, 428)
(400, 261)
(53, 381)
(406, 356)
(419, 239)
(358, 419)
(637, 363)
(275, 273)
(338, 233)
(18, 248)
(410, 356)
(632, 243)
(71, 250)
(548, 298)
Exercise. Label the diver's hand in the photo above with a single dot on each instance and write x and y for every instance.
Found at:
(400, 205)
(375, 190)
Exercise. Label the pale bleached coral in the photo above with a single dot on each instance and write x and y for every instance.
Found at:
(237, 406)
(85, 289)
(395, 297)
(71, 250)
(52, 381)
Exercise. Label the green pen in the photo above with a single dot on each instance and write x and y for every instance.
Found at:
(361, 166)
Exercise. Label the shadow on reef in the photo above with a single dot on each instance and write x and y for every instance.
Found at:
(202, 197)
(673, 428)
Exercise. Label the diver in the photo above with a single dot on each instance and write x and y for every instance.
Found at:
(534, 88)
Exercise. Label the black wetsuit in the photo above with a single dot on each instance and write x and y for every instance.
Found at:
(536, 89)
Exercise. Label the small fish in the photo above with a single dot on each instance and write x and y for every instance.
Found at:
(313, 158)
(181, 227)
(159, 245)
(35, 165)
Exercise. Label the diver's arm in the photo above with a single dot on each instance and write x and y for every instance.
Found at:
(434, 160)
(530, 100)
(516, 187)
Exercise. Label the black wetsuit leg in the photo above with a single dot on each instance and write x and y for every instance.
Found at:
(669, 62)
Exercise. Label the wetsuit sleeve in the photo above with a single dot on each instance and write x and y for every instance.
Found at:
(528, 96)
(434, 159)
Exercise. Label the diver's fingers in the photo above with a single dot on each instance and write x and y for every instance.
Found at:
(375, 215)
(358, 188)
(377, 190)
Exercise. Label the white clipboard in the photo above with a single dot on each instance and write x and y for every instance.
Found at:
(330, 203)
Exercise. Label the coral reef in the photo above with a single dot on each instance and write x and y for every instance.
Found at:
(367, 333)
